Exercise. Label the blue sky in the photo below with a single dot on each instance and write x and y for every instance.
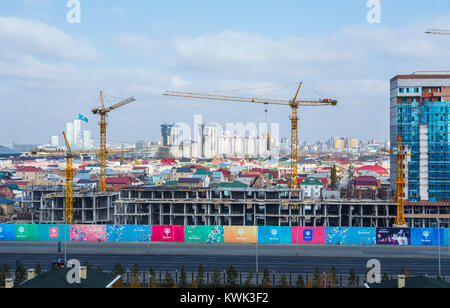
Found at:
(51, 70)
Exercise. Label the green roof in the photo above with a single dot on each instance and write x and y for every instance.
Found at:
(203, 172)
(312, 181)
(235, 184)
(171, 183)
(56, 279)
(419, 282)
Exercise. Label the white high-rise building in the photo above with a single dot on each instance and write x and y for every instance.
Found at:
(69, 133)
(208, 141)
(171, 137)
(77, 139)
(87, 140)
(54, 141)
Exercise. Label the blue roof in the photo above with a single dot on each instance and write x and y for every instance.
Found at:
(184, 170)
(7, 201)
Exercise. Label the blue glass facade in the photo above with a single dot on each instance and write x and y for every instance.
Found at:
(426, 106)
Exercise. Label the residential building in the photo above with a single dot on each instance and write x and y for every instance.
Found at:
(420, 106)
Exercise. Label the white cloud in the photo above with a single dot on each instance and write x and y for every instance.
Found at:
(31, 37)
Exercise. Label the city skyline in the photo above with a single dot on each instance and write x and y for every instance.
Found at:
(147, 58)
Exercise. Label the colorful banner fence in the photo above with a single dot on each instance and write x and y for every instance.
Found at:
(274, 235)
(204, 234)
(234, 234)
(307, 235)
(227, 234)
(350, 236)
(167, 234)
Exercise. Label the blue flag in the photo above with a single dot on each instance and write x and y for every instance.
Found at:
(83, 118)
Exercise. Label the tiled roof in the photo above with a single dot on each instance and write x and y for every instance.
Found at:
(29, 169)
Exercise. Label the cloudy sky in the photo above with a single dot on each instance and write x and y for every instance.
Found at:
(52, 70)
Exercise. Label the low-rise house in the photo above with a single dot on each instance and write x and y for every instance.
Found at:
(367, 182)
(116, 184)
(312, 188)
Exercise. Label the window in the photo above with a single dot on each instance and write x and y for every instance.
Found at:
(416, 90)
(430, 90)
(408, 90)
(401, 90)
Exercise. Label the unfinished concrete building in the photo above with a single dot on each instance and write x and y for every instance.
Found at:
(260, 207)
(88, 208)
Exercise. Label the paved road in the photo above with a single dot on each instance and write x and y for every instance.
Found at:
(279, 258)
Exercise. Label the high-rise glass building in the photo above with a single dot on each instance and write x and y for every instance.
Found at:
(420, 106)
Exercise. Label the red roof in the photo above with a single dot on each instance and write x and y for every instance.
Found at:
(29, 169)
(121, 180)
(376, 168)
(366, 181)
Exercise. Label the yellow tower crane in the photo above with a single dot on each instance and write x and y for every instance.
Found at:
(103, 112)
(401, 154)
(294, 104)
(69, 155)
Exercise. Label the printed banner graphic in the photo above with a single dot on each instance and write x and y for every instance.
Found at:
(127, 233)
(27, 233)
(393, 236)
(88, 233)
(204, 234)
(308, 235)
(350, 236)
(167, 234)
(274, 235)
(55, 233)
(235, 234)
(427, 237)
(7, 232)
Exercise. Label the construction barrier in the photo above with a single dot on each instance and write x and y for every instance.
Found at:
(227, 234)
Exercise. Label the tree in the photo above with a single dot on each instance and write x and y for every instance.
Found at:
(87, 265)
(333, 177)
(266, 279)
(300, 282)
(153, 283)
(232, 277)
(405, 272)
(248, 281)
(99, 269)
(316, 279)
(352, 279)
(216, 278)
(385, 277)
(38, 269)
(135, 271)
(283, 281)
(194, 284)
(118, 269)
(200, 276)
(4, 273)
(135, 284)
(183, 278)
(168, 280)
(21, 274)
(333, 277)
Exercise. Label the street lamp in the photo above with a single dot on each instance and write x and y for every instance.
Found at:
(439, 237)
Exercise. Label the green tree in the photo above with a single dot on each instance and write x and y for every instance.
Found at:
(300, 282)
(21, 274)
(248, 280)
(316, 279)
(352, 279)
(118, 269)
(38, 269)
(4, 273)
(200, 276)
(333, 277)
(216, 279)
(333, 177)
(135, 271)
(169, 282)
(232, 277)
(266, 279)
(385, 277)
(283, 281)
(183, 278)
